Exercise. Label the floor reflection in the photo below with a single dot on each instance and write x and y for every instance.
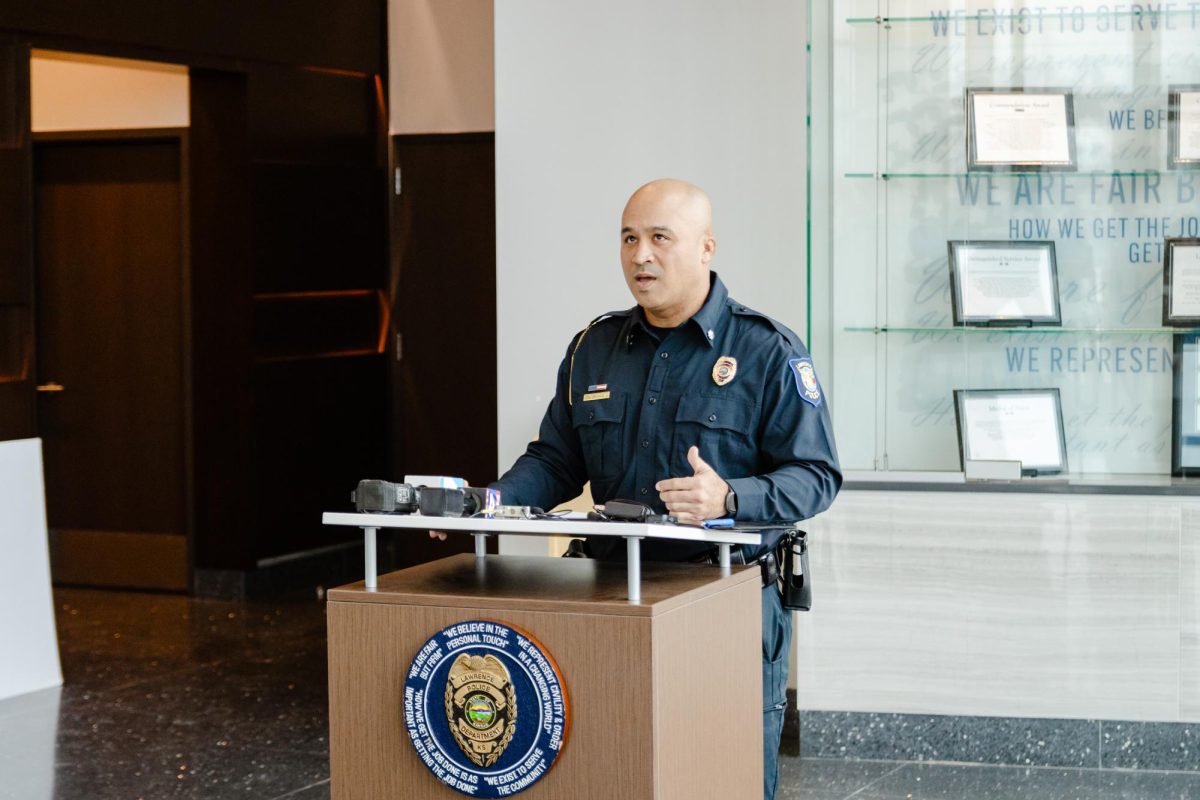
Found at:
(173, 696)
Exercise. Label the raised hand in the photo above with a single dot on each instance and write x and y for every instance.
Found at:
(695, 499)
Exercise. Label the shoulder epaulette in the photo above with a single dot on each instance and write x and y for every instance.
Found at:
(783, 330)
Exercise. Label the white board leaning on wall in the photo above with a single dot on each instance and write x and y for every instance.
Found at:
(27, 613)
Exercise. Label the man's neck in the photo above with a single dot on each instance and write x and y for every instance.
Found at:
(672, 318)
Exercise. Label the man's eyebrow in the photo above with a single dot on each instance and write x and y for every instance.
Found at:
(655, 228)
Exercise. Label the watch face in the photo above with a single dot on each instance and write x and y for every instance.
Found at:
(731, 503)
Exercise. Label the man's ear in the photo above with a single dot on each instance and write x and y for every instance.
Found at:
(709, 249)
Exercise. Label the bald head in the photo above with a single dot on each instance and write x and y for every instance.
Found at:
(681, 198)
(666, 248)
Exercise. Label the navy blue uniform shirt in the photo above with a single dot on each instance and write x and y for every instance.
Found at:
(640, 397)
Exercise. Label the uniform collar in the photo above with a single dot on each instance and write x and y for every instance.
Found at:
(709, 320)
(712, 315)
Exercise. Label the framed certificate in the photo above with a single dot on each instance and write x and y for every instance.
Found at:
(1012, 425)
(1181, 283)
(1004, 283)
(1185, 419)
(1020, 129)
(1183, 115)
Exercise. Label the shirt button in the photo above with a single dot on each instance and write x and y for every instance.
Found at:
(711, 335)
(591, 415)
(643, 490)
(662, 355)
(653, 400)
(645, 443)
(712, 417)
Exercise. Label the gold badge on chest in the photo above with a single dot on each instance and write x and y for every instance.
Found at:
(724, 370)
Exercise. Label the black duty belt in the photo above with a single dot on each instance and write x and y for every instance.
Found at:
(768, 564)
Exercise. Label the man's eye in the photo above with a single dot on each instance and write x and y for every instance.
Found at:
(662, 237)
(629, 239)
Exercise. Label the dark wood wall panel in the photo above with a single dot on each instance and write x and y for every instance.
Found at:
(312, 445)
(347, 34)
(444, 264)
(307, 115)
(320, 231)
(352, 323)
(319, 226)
(18, 401)
(222, 320)
(16, 274)
(287, 168)
(18, 415)
(14, 87)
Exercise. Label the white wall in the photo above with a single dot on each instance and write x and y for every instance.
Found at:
(27, 614)
(72, 91)
(594, 99)
(440, 66)
(999, 604)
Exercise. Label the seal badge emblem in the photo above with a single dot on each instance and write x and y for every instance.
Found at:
(806, 380)
(481, 707)
(724, 370)
(485, 708)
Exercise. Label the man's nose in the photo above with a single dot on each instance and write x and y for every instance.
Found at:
(644, 254)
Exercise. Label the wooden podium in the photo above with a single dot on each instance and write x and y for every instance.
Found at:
(665, 694)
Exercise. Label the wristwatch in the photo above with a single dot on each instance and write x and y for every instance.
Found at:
(731, 503)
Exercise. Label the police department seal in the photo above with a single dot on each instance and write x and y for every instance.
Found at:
(485, 708)
(481, 707)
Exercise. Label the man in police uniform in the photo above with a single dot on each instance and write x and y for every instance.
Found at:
(691, 403)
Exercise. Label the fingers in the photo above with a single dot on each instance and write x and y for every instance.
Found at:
(687, 505)
(699, 465)
(696, 498)
(676, 485)
(437, 535)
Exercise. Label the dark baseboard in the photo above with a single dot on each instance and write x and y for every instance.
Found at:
(1019, 741)
(304, 573)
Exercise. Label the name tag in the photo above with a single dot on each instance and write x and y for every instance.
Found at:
(596, 396)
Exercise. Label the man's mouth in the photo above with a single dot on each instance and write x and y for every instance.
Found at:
(643, 279)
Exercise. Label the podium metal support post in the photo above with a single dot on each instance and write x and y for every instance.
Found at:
(370, 566)
(633, 552)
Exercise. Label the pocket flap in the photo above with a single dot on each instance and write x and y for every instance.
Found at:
(592, 412)
(715, 412)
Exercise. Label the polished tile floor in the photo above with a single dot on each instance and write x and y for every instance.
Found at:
(171, 697)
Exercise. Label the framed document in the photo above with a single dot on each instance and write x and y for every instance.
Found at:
(1020, 129)
(1185, 421)
(1004, 283)
(1012, 425)
(1181, 283)
(1184, 117)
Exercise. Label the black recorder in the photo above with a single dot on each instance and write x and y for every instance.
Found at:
(630, 511)
(385, 497)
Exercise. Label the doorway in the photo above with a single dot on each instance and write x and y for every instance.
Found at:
(110, 240)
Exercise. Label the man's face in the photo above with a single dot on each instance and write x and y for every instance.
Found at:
(666, 248)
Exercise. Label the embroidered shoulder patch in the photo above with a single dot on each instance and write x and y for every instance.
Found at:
(806, 380)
